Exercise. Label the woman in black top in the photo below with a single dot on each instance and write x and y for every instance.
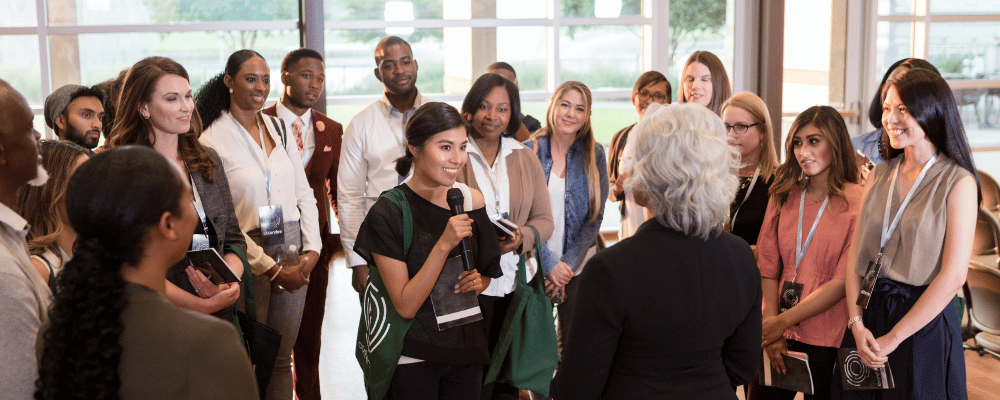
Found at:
(445, 364)
(748, 125)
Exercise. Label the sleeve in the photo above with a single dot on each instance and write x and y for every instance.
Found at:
(229, 375)
(590, 350)
(337, 134)
(741, 351)
(767, 253)
(587, 235)
(233, 233)
(488, 251)
(381, 233)
(352, 175)
(19, 323)
(540, 215)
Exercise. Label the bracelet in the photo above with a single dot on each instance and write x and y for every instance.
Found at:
(852, 321)
(275, 276)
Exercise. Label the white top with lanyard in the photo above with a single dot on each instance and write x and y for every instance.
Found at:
(800, 248)
(753, 182)
(265, 166)
(887, 228)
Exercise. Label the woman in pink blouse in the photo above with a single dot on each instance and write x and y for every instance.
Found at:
(802, 249)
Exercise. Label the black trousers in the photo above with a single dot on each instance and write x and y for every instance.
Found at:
(822, 361)
(427, 380)
(494, 310)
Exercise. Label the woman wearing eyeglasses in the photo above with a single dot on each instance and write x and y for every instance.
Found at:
(651, 87)
(748, 125)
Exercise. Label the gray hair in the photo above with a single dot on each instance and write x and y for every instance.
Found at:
(684, 168)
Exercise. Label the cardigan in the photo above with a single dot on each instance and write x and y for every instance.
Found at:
(528, 197)
(579, 235)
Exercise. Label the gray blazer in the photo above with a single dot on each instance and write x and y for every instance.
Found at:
(219, 207)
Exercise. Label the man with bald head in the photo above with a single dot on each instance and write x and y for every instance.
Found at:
(24, 296)
(373, 141)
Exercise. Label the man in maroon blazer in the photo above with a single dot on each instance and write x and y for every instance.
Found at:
(316, 138)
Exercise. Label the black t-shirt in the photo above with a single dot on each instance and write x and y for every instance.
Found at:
(382, 233)
(751, 216)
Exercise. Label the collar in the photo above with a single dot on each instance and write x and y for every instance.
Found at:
(392, 111)
(507, 146)
(289, 116)
(13, 220)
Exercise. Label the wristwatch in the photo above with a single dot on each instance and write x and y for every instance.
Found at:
(852, 321)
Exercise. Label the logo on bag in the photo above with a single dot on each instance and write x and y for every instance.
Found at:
(376, 324)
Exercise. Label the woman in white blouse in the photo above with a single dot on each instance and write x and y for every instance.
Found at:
(263, 179)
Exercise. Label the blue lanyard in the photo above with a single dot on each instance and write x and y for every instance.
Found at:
(800, 248)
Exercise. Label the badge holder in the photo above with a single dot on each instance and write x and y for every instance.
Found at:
(791, 294)
(868, 284)
(272, 231)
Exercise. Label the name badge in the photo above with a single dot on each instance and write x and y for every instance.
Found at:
(874, 267)
(200, 242)
(272, 230)
(791, 294)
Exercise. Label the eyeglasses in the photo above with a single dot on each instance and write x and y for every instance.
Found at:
(657, 97)
(740, 128)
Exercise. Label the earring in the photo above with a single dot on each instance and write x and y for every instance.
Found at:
(145, 117)
(230, 90)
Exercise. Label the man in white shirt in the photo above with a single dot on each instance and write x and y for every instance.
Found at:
(24, 297)
(373, 141)
(316, 140)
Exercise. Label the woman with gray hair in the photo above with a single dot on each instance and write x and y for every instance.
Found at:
(638, 329)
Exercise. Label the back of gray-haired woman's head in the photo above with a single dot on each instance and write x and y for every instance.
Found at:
(684, 168)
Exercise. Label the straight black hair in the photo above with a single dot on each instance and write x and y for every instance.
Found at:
(429, 120)
(482, 88)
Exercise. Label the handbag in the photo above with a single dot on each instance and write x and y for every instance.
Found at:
(526, 353)
(262, 341)
(382, 330)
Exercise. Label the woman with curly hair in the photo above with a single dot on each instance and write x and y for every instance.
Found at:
(157, 110)
(112, 334)
(802, 248)
(267, 184)
(51, 238)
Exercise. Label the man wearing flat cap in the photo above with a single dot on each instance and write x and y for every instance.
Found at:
(74, 112)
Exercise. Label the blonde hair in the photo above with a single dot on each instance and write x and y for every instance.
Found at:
(586, 134)
(684, 168)
(754, 105)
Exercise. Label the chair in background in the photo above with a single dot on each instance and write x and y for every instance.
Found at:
(986, 239)
(983, 300)
(990, 191)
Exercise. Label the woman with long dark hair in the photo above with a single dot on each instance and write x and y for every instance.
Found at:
(802, 248)
(704, 81)
(577, 174)
(915, 244)
(434, 363)
(112, 334)
(50, 236)
(156, 109)
(266, 184)
(511, 178)
(651, 87)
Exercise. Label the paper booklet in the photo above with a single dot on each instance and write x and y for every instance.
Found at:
(797, 376)
(855, 375)
(453, 309)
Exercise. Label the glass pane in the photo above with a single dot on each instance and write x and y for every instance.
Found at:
(398, 10)
(19, 58)
(697, 26)
(965, 50)
(203, 54)
(350, 61)
(964, 7)
(980, 110)
(583, 55)
(513, 9)
(893, 44)
(524, 48)
(807, 55)
(116, 12)
(18, 13)
(895, 7)
(604, 8)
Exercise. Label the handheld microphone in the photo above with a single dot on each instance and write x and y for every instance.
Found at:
(455, 202)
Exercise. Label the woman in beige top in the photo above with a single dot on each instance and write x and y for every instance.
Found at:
(931, 182)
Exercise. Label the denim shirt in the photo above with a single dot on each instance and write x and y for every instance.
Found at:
(578, 234)
(868, 145)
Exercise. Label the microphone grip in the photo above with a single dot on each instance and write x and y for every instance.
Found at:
(463, 247)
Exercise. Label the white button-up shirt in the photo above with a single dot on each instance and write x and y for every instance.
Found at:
(308, 134)
(373, 140)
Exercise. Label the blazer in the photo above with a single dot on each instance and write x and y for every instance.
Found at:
(218, 203)
(663, 315)
(321, 173)
(579, 235)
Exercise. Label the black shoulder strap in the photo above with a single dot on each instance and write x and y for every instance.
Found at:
(279, 127)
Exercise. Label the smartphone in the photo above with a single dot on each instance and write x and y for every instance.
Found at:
(504, 227)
